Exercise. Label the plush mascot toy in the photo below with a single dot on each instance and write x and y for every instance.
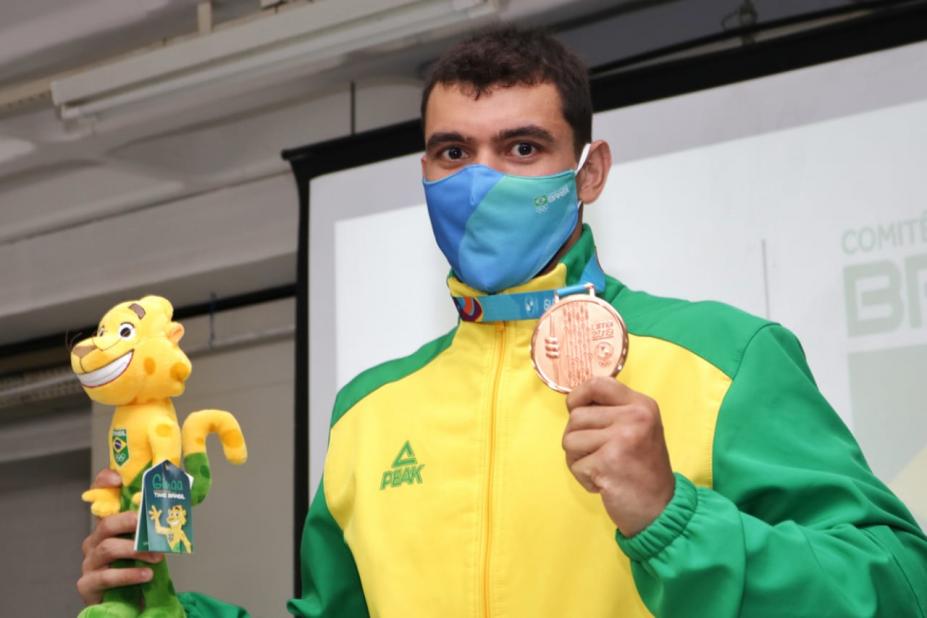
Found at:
(134, 362)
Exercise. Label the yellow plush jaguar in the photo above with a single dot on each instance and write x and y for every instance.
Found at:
(134, 362)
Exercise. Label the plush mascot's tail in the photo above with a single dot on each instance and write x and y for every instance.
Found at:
(195, 429)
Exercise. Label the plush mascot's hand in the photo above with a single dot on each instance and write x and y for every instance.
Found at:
(104, 501)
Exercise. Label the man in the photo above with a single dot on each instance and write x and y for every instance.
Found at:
(710, 479)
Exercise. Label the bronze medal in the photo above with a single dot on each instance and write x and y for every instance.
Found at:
(578, 338)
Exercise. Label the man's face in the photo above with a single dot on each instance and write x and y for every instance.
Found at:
(516, 130)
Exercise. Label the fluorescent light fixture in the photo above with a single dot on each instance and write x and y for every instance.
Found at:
(12, 148)
(306, 37)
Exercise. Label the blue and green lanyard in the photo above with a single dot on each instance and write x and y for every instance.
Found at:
(525, 305)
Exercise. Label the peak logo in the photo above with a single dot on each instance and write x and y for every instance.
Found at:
(405, 469)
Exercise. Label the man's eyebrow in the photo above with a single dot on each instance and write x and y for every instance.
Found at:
(529, 130)
(445, 137)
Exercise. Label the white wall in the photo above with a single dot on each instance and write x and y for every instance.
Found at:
(42, 517)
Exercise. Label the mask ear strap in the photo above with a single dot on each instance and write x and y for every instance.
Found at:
(582, 157)
(582, 161)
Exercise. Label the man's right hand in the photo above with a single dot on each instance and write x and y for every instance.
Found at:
(105, 545)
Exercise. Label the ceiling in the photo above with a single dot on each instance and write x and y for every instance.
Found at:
(193, 145)
(41, 37)
(55, 174)
(186, 146)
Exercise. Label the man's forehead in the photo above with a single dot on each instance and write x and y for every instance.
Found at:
(454, 108)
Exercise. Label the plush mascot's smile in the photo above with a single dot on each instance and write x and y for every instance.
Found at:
(106, 373)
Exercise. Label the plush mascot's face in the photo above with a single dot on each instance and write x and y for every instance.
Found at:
(134, 356)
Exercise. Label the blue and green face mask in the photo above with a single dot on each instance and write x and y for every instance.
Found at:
(498, 230)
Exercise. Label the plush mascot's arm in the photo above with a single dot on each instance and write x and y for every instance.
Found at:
(195, 429)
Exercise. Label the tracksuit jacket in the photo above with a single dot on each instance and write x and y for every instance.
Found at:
(445, 491)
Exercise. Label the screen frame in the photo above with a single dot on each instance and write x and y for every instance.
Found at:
(611, 89)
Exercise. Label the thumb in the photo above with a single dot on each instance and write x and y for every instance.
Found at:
(107, 478)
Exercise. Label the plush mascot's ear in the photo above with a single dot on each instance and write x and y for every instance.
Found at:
(160, 304)
(175, 332)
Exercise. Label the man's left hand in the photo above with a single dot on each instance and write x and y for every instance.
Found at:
(615, 447)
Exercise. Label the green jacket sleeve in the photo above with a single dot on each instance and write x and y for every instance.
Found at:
(330, 584)
(796, 523)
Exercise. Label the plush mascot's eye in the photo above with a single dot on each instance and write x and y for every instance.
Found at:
(126, 330)
(100, 332)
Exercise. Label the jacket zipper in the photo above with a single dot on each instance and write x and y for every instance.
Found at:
(500, 357)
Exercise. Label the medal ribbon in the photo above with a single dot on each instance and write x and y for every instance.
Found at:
(525, 305)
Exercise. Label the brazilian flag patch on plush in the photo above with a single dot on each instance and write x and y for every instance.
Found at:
(120, 443)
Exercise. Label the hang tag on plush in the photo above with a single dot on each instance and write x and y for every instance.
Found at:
(165, 516)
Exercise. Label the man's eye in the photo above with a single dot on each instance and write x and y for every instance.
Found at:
(453, 153)
(523, 149)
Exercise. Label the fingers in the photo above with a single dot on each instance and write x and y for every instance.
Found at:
(585, 470)
(601, 391)
(106, 542)
(590, 417)
(102, 548)
(115, 525)
(578, 444)
(112, 549)
(92, 585)
(106, 478)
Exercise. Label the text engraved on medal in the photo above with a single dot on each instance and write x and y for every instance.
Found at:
(578, 338)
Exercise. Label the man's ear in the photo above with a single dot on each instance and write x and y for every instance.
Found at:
(590, 181)
(423, 167)
(175, 332)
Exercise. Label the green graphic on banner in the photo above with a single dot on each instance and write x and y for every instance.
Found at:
(891, 379)
(165, 522)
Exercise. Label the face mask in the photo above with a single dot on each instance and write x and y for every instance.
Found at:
(498, 230)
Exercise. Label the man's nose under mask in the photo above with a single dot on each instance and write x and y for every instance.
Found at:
(498, 230)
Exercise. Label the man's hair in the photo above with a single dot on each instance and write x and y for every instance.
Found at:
(508, 56)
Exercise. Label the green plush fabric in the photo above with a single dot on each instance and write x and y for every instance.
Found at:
(197, 466)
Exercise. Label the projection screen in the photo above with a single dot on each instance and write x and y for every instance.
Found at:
(799, 197)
